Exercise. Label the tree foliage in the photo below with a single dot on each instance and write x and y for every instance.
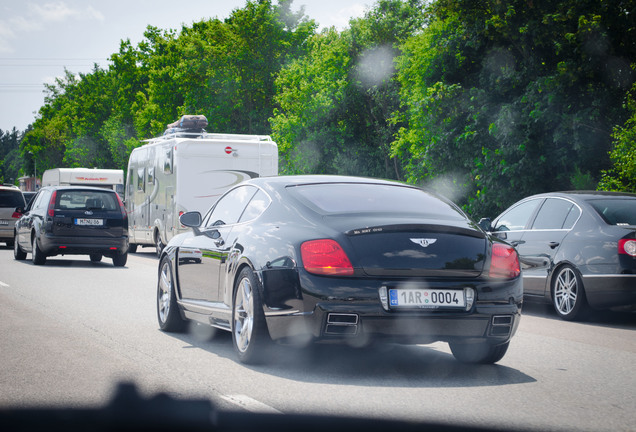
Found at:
(506, 99)
(487, 101)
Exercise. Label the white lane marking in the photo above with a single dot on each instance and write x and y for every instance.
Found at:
(4, 284)
(250, 404)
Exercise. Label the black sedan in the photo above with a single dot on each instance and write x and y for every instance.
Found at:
(73, 220)
(328, 258)
(577, 249)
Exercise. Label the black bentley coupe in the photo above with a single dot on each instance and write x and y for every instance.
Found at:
(332, 258)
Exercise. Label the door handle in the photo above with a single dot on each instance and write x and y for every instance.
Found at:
(516, 243)
(553, 244)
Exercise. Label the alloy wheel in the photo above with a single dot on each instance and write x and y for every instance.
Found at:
(243, 314)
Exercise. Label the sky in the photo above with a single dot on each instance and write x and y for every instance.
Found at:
(39, 38)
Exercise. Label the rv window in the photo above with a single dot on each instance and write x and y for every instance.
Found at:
(141, 185)
(167, 164)
(151, 175)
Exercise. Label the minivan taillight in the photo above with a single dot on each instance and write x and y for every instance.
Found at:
(325, 257)
(627, 247)
(51, 211)
(504, 262)
(122, 208)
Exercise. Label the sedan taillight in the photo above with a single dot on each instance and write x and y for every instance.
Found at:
(325, 257)
(504, 262)
(627, 247)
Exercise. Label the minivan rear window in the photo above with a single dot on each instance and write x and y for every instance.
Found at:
(11, 199)
(616, 211)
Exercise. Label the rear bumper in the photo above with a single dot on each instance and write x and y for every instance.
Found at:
(56, 245)
(6, 232)
(346, 322)
(304, 307)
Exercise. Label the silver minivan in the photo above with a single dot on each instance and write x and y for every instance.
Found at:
(12, 205)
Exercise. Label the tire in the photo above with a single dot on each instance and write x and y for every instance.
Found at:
(249, 330)
(95, 257)
(158, 244)
(37, 256)
(478, 353)
(568, 295)
(119, 260)
(132, 247)
(18, 253)
(167, 309)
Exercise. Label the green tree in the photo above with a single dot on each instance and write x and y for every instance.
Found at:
(335, 103)
(506, 99)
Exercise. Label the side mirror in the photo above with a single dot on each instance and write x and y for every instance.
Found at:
(485, 224)
(191, 219)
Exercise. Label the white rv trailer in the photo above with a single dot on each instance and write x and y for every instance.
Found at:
(105, 178)
(185, 171)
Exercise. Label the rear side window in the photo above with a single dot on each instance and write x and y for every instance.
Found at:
(335, 198)
(11, 199)
(230, 206)
(556, 213)
(86, 200)
(616, 211)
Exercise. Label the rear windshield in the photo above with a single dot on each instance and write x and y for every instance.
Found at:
(11, 199)
(616, 211)
(334, 198)
(86, 200)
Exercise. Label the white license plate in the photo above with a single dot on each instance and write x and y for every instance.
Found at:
(426, 298)
(91, 222)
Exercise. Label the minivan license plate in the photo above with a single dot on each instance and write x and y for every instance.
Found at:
(426, 298)
(91, 222)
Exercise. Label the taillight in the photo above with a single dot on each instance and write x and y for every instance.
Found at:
(504, 262)
(122, 208)
(16, 215)
(325, 257)
(51, 211)
(627, 247)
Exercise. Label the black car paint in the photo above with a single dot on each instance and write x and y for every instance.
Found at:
(296, 303)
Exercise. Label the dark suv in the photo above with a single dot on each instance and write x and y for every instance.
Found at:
(73, 220)
(12, 205)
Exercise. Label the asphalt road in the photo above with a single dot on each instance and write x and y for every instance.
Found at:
(70, 331)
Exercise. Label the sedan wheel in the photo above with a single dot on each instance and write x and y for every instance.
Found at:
(167, 310)
(480, 353)
(18, 253)
(37, 256)
(568, 296)
(249, 330)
